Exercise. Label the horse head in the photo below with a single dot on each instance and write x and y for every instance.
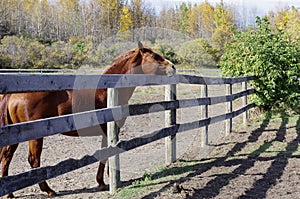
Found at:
(141, 60)
(153, 63)
(146, 61)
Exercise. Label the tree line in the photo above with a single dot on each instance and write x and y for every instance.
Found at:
(63, 19)
(70, 33)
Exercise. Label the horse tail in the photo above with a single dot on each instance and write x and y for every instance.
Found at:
(4, 116)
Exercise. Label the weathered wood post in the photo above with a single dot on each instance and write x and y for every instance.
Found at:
(112, 138)
(204, 115)
(228, 122)
(245, 102)
(170, 119)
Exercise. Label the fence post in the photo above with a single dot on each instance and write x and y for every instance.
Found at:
(204, 115)
(245, 102)
(170, 119)
(228, 122)
(112, 138)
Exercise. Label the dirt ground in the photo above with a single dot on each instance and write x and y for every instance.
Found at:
(245, 164)
(81, 183)
(262, 162)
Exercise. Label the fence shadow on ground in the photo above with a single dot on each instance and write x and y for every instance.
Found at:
(61, 194)
(277, 167)
(213, 187)
(242, 165)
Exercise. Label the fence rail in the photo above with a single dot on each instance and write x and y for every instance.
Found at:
(12, 83)
(21, 132)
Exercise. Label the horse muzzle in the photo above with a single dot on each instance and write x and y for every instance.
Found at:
(171, 71)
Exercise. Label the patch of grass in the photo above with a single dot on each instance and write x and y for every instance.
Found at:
(151, 180)
(139, 187)
(261, 149)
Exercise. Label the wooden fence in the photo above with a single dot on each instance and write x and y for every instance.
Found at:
(21, 132)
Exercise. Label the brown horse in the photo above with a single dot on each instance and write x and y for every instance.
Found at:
(22, 107)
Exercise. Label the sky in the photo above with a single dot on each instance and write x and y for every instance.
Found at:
(262, 7)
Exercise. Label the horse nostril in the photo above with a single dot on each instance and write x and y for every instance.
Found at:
(173, 66)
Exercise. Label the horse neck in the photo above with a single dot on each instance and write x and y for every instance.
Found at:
(124, 65)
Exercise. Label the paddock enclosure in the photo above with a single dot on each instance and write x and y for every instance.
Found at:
(172, 99)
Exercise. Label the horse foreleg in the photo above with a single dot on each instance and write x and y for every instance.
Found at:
(6, 155)
(34, 159)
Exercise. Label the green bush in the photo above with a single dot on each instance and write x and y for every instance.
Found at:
(273, 58)
(12, 52)
(168, 52)
(18, 52)
(196, 53)
(106, 55)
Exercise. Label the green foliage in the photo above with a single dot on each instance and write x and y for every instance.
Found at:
(147, 176)
(184, 17)
(106, 55)
(79, 47)
(17, 52)
(168, 52)
(224, 29)
(270, 56)
(197, 53)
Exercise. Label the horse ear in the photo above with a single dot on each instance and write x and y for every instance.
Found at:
(141, 46)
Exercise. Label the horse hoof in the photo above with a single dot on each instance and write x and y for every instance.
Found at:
(10, 195)
(102, 187)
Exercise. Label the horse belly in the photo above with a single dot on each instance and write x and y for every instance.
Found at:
(85, 132)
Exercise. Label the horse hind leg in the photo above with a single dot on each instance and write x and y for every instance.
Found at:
(100, 172)
(34, 159)
(100, 177)
(6, 155)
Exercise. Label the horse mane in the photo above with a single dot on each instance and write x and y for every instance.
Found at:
(131, 55)
(121, 61)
